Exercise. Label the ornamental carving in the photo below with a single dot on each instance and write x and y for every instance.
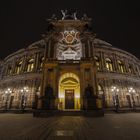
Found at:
(69, 46)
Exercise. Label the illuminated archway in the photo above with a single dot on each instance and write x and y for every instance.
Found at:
(69, 92)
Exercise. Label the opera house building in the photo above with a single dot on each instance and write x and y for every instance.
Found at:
(69, 69)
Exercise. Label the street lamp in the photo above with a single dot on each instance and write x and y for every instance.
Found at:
(24, 92)
(7, 93)
(116, 99)
(132, 92)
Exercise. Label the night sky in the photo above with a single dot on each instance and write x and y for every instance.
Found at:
(23, 21)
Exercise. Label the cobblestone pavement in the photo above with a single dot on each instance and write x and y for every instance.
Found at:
(111, 127)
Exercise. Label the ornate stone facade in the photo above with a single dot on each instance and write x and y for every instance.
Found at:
(62, 66)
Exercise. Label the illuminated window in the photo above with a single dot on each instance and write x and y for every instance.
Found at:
(18, 67)
(97, 62)
(121, 66)
(109, 64)
(30, 65)
(100, 90)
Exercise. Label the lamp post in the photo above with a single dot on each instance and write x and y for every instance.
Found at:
(24, 92)
(132, 92)
(7, 93)
(116, 99)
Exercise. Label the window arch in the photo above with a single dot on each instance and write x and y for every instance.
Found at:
(109, 64)
(121, 66)
(100, 89)
(30, 65)
(97, 62)
(18, 67)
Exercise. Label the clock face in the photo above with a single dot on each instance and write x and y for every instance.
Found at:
(69, 46)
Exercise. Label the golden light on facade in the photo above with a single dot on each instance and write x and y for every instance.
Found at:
(69, 82)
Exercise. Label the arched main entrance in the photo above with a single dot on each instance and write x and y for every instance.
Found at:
(69, 92)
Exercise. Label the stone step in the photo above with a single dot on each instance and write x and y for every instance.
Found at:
(70, 113)
(47, 113)
(16, 111)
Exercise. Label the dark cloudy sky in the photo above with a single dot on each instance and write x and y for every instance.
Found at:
(23, 21)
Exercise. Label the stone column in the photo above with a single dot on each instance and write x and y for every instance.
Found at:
(138, 70)
(82, 84)
(101, 66)
(116, 63)
(134, 68)
(48, 81)
(32, 93)
(88, 80)
(54, 53)
(36, 62)
(43, 85)
(83, 50)
(24, 63)
(14, 66)
(103, 61)
(126, 66)
(124, 62)
(49, 48)
(55, 85)
(89, 50)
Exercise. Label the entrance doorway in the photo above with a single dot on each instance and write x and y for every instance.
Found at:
(11, 102)
(69, 99)
(128, 100)
(69, 92)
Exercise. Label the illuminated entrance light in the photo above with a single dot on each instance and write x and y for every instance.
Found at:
(61, 96)
(77, 96)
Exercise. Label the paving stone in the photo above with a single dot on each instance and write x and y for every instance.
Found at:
(110, 127)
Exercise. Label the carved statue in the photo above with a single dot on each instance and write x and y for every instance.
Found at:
(49, 91)
(89, 91)
(74, 14)
(53, 17)
(63, 14)
(68, 14)
(85, 17)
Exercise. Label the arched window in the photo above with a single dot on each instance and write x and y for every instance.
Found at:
(9, 70)
(109, 64)
(41, 62)
(18, 67)
(121, 66)
(97, 62)
(100, 90)
(30, 65)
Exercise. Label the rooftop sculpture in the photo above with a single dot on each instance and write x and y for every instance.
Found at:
(68, 15)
